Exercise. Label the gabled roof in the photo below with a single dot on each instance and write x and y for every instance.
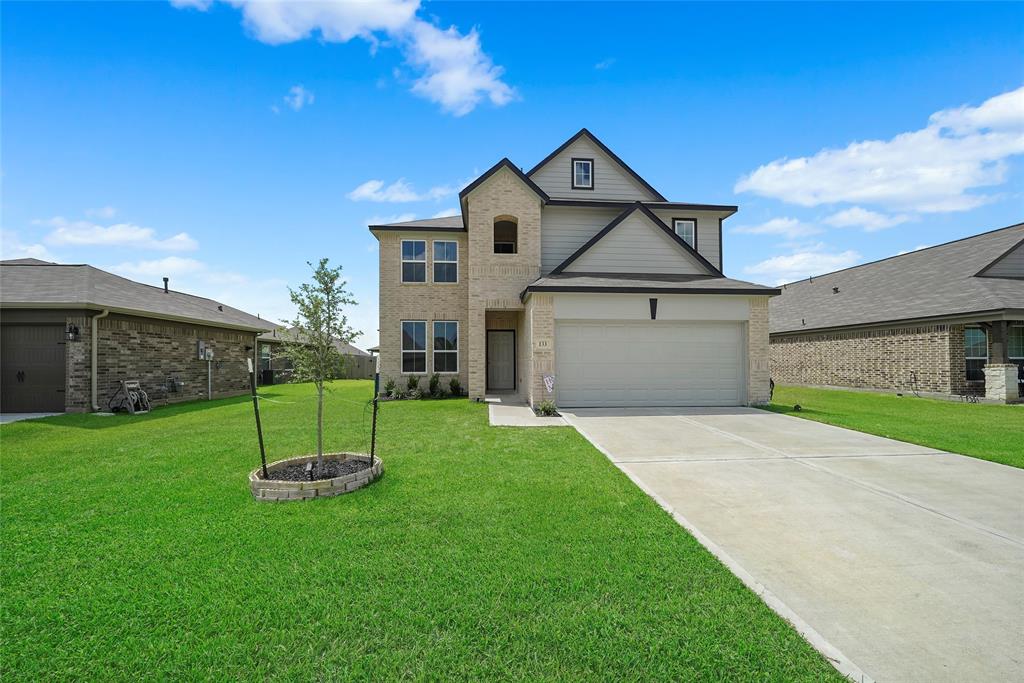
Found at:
(29, 283)
(442, 224)
(658, 223)
(933, 283)
(504, 163)
(614, 157)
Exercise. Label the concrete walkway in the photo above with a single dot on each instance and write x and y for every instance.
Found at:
(506, 415)
(7, 418)
(900, 563)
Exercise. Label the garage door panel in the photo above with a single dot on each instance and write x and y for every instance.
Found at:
(654, 363)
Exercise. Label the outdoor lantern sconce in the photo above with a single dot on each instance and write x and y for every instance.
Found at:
(72, 333)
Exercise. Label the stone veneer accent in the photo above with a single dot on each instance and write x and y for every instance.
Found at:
(1001, 382)
(883, 358)
(497, 280)
(275, 490)
(152, 350)
(758, 374)
(420, 301)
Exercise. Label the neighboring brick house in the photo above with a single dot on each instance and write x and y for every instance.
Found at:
(579, 276)
(276, 368)
(946, 320)
(50, 315)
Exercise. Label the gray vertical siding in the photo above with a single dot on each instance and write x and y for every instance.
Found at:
(611, 181)
(637, 245)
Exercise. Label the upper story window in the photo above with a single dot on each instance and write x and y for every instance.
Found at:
(686, 228)
(975, 353)
(583, 174)
(414, 261)
(506, 235)
(446, 261)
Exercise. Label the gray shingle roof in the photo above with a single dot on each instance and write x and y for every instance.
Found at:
(50, 285)
(280, 335)
(933, 282)
(443, 223)
(640, 283)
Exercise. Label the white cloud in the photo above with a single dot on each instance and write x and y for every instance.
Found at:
(605, 64)
(917, 248)
(870, 221)
(107, 212)
(298, 97)
(454, 71)
(11, 247)
(397, 192)
(264, 296)
(446, 212)
(787, 227)
(928, 170)
(201, 5)
(85, 233)
(814, 260)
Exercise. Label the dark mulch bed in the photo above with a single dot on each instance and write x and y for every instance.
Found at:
(331, 469)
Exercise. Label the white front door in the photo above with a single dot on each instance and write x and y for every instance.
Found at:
(650, 363)
(501, 360)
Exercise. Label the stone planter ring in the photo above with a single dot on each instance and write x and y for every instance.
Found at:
(280, 490)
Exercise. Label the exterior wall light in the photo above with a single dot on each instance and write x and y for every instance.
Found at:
(72, 333)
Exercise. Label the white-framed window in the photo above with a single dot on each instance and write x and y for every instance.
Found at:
(414, 261)
(414, 347)
(446, 261)
(583, 174)
(506, 235)
(446, 346)
(975, 353)
(686, 228)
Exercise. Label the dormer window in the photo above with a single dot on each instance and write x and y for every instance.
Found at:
(583, 174)
(686, 228)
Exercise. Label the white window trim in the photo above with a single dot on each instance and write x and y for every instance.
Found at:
(433, 365)
(574, 184)
(693, 223)
(434, 261)
(401, 268)
(402, 351)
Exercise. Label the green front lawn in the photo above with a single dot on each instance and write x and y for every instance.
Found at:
(987, 431)
(132, 549)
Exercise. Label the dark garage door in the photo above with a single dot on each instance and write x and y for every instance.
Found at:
(32, 368)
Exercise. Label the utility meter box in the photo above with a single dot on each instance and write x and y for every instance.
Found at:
(204, 352)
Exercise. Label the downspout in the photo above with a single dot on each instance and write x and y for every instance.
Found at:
(95, 356)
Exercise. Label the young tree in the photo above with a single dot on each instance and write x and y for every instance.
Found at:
(319, 325)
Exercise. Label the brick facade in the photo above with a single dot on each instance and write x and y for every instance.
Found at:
(420, 301)
(928, 358)
(153, 352)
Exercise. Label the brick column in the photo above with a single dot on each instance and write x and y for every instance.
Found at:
(540, 313)
(758, 375)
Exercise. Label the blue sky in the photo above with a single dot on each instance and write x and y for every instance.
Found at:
(224, 146)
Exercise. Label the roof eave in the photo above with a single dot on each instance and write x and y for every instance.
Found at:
(136, 312)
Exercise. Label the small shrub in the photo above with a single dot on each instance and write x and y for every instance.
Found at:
(413, 383)
(547, 409)
(442, 393)
(389, 387)
(435, 385)
(415, 394)
(455, 386)
(400, 394)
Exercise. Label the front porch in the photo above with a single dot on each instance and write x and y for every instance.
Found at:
(994, 360)
(500, 371)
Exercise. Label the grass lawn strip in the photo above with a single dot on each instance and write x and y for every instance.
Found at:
(132, 549)
(981, 430)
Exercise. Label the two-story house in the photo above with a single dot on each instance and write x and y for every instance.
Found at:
(575, 282)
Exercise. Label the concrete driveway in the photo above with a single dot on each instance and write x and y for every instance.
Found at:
(901, 563)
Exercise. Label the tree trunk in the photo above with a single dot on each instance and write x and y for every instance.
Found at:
(320, 428)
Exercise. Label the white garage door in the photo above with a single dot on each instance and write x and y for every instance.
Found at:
(649, 363)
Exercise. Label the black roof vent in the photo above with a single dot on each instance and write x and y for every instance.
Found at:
(835, 290)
